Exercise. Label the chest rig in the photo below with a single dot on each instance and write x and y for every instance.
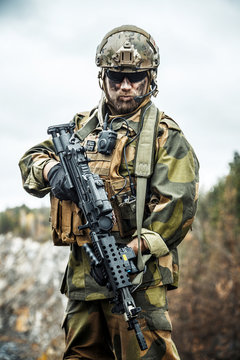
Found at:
(128, 209)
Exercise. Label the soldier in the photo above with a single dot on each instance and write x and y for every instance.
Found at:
(128, 59)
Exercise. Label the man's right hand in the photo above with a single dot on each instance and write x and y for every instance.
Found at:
(57, 180)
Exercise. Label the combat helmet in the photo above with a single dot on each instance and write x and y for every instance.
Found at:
(128, 48)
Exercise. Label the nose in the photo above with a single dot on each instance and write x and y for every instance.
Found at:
(126, 84)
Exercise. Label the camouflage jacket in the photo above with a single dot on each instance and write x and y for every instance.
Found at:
(170, 203)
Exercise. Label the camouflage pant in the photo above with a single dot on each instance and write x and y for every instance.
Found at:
(93, 332)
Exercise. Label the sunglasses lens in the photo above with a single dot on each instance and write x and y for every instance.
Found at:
(118, 77)
(135, 77)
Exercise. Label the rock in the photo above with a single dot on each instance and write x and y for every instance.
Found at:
(31, 306)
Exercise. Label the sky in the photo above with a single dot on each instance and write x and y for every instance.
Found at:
(48, 73)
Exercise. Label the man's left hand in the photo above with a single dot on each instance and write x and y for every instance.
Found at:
(134, 245)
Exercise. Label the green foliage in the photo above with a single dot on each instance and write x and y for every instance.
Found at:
(7, 223)
(205, 312)
(234, 181)
(224, 198)
(25, 222)
(211, 203)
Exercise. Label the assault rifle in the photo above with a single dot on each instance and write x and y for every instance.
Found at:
(109, 263)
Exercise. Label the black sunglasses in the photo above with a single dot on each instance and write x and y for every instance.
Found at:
(118, 77)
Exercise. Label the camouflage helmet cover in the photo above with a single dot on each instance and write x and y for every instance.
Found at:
(128, 48)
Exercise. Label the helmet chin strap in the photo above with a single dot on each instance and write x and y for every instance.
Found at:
(101, 76)
(101, 109)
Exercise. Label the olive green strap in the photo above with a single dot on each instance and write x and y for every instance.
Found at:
(146, 143)
(143, 170)
(140, 202)
(90, 125)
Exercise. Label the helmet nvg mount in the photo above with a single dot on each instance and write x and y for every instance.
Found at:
(128, 49)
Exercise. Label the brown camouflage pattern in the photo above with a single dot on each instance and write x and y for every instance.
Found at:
(94, 332)
(128, 48)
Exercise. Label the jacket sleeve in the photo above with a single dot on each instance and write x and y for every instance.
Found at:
(173, 190)
(35, 159)
(31, 166)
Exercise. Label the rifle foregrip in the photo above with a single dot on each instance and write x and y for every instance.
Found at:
(91, 255)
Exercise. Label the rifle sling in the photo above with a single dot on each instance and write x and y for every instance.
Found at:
(87, 128)
(143, 170)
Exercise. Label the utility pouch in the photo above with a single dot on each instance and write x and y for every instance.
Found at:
(124, 207)
(127, 207)
(66, 217)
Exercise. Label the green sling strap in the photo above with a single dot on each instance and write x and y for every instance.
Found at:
(143, 170)
(87, 128)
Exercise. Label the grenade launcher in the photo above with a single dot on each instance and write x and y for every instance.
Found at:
(110, 264)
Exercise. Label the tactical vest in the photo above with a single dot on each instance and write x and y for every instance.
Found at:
(66, 216)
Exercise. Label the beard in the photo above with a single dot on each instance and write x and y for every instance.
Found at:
(124, 107)
(121, 101)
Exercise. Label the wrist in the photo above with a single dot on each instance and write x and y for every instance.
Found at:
(134, 245)
(48, 167)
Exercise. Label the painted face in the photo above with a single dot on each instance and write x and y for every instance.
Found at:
(122, 88)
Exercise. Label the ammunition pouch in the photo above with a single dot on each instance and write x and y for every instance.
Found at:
(124, 207)
(65, 219)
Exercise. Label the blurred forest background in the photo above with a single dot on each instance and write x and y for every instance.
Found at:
(205, 310)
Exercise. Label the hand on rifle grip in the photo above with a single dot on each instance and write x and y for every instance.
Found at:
(58, 182)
